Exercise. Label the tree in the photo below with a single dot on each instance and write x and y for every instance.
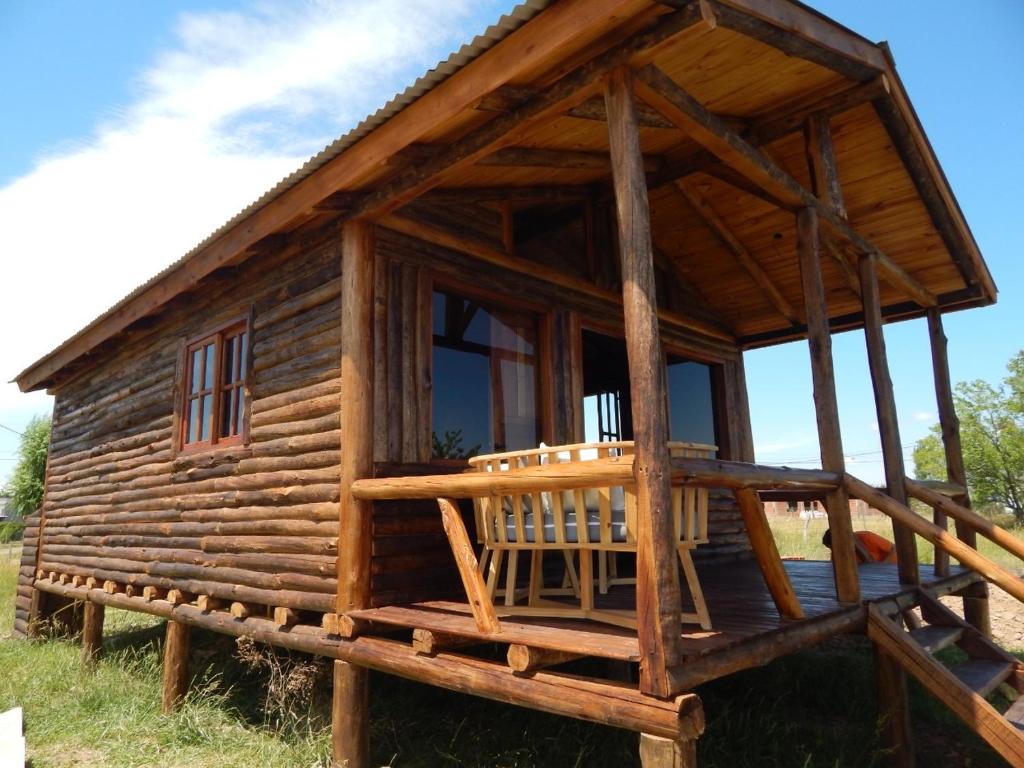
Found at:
(26, 484)
(992, 434)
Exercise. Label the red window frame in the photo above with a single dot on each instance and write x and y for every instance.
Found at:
(214, 385)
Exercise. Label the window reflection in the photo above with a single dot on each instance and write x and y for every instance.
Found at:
(485, 382)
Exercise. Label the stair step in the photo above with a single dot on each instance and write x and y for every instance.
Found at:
(1015, 714)
(934, 638)
(982, 675)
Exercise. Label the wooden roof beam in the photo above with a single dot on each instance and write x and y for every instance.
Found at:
(509, 97)
(567, 193)
(529, 157)
(714, 222)
(509, 127)
(662, 93)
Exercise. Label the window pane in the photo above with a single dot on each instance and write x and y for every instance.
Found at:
(210, 367)
(191, 420)
(485, 378)
(690, 404)
(227, 411)
(207, 418)
(196, 367)
(228, 361)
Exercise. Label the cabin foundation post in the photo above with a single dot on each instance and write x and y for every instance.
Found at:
(659, 752)
(659, 625)
(92, 633)
(177, 643)
(885, 408)
(976, 607)
(350, 704)
(826, 406)
(893, 710)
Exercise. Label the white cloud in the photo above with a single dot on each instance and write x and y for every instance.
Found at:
(239, 101)
(924, 416)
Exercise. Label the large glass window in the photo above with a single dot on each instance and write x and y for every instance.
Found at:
(485, 378)
(690, 402)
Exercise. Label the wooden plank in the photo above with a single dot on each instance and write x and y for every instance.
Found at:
(885, 410)
(819, 341)
(709, 130)
(658, 595)
(714, 222)
(767, 554)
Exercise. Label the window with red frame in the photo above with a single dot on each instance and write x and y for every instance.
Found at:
(215, 401)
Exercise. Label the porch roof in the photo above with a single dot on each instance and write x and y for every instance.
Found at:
(500, 115)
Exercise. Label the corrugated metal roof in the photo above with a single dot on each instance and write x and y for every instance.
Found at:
(494, 34)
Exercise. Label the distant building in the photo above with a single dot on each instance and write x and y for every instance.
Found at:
(7, 510)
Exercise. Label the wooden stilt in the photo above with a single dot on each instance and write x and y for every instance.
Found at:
(659, 752)
(350, 716)
(35, 612)
(349, 712)
(893, 710)
(819, 340)
(976, 609)
(885, 408)
(176, 649)
(659, 626)
(92, 633)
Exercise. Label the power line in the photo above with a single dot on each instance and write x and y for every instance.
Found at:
(19, 434)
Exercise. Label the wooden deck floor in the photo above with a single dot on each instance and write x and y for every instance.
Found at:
(739, 603)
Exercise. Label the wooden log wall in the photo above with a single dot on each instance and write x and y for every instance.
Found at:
(257, 524)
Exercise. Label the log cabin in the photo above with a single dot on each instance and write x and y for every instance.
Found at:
(505, 317)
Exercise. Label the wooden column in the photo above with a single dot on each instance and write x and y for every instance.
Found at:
(92, 633)
(176, 649)
(658, 608)
(826, 406)
(893, 710)
(659, 752)
(885, 408)
(350, 735)
(350, 710)
(975, 606)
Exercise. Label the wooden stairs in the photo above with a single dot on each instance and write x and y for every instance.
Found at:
(965, 686)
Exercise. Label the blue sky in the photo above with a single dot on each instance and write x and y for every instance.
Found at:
(113, 109)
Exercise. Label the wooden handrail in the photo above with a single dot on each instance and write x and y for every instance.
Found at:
(941, 538)
(567, 476)
(986, 528)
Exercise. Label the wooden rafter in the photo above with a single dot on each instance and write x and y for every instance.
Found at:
(530, 157)
(508, 127)
(661, 92)
(509, 97)
(714, 222)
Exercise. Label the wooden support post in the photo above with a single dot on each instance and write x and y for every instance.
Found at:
(659, 752)
(350, 710)
(893, 709)
(767, 554)
(885, 408)
(35, 612)
(92, 633)
(176, 649)
(349, 705)
(826, 406)
(976, 609)
(659, 626)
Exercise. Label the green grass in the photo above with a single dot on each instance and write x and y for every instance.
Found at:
(790, 536)
(812, 709)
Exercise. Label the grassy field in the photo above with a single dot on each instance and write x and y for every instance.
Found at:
(812, 709)
(795, 539)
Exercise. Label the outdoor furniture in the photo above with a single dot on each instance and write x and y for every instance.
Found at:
(598, 519)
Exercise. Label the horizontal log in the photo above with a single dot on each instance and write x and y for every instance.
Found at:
(303, 410)
(263, 406)
(329, 291)
(327, 423)
(617, 470)
(315, 565)
(526, 658)
(270, 544)
(244, 528)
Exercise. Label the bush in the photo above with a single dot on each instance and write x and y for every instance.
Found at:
(12, 530)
